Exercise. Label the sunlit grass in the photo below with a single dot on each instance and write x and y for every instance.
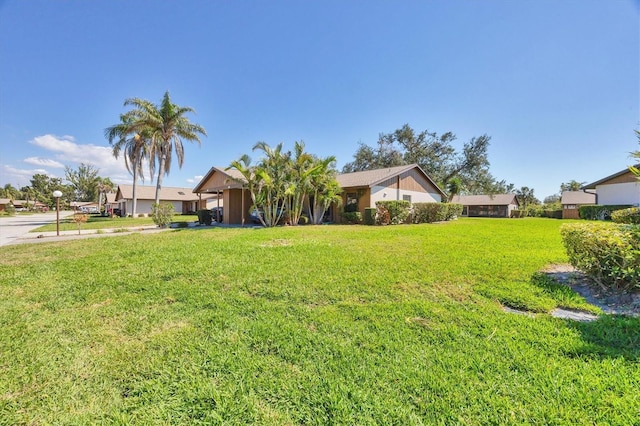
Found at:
(315, 325)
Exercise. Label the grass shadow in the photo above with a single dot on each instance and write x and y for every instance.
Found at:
(611, 336)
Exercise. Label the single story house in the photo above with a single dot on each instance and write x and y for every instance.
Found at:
(4, 202)
(361, 189)
(621, 188)
(497, 205)
(572, 200)
(228, 186)
(183, 200)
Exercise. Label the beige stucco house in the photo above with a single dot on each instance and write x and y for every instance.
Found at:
(183, 199)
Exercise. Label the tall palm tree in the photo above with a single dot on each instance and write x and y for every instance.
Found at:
(166, 126)
(135, 147)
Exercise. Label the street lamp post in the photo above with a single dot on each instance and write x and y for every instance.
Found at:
(57, 195)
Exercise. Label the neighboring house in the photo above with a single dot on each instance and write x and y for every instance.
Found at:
(228, 187)
(4, 202)
(572, 200)
(183, 200)
(360, 188)
(497, 205)
(28, 205)
(364, 189)
(622, 188)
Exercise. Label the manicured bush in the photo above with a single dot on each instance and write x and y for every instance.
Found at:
(599, 212)
(10, 209)
(205, 217)
(631, 216)
(392, 212)
(352, 217)
(453, 210)
(553, 214)
(608, 253)
(431, 212)
(162, 214)
(370, 216)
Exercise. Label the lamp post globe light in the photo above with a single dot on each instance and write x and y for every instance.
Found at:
(57, 195)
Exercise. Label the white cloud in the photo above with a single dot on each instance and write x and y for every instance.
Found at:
(194, 179)
(45, 162)
(20, 177)
(66, 151)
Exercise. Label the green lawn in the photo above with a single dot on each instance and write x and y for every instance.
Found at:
(100, 222)
(308, 325)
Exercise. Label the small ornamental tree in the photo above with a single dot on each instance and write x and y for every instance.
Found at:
(162, 214)
(79, 219)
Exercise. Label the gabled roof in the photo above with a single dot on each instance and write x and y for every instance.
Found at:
(370, 178)
(578, 197)
(608, 178)
(4, 201)
(167, 193)
(236, 180)
(486, 200)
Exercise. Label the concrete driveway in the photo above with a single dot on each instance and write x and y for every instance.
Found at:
(13, 227)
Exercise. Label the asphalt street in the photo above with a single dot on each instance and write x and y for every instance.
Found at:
(13, 227)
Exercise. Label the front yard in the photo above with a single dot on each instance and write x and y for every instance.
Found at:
(308, 325)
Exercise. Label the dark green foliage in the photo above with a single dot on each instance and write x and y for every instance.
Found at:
(435, 212)
(205, 217)
(519, 213)
(598, 212)
(631, 216)
(608, 253)
(352, 217)
(392, 212)
(10, 209)
(370, 216)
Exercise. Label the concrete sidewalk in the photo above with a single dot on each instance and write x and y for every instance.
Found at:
(41, 237)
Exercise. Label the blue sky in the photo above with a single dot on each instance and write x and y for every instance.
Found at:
(554, 83)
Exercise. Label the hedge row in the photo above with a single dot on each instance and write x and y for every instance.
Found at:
(400, 211)
(608, 253)
(435, 212)
(392, 212)
(631, 216)
(598, 212)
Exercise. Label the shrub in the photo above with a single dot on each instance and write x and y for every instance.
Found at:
(398, 211)
(432, 212)
(453, 210)
(370, 216)
(607, 253)
(598, 212)
(205, 217)
(352, 217)
(162, 214)
(519, 213)
(631, 216)
(10, 209)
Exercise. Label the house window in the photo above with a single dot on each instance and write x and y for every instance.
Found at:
(352, 202)
(570, 206)
(406, 197)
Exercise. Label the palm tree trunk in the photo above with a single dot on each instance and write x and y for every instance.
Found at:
(160, 175)
(135, 198)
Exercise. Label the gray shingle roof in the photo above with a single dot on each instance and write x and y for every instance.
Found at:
(485, 200)
(371, 177)
(578, 197)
